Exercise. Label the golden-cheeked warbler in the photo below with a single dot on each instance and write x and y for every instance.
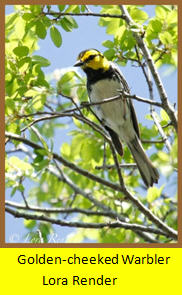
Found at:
(105, 80)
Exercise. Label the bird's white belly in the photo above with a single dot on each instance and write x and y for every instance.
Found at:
(113, 114)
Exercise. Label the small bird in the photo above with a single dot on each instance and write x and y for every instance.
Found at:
(105, 80)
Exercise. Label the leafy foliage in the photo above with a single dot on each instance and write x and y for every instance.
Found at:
(160, 34)
(33, 104)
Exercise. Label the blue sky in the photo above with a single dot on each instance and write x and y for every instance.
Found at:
(88, 35)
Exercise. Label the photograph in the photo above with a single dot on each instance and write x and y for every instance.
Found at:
(91, 145)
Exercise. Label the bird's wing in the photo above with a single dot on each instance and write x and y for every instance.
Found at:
(115, 138)
(129, 101)
(117, 143)
(134, 118)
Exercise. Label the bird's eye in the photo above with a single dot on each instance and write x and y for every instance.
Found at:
(90, 57)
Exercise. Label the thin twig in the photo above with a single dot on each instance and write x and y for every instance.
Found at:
(71, 111)
(63, 177)
(90, 104)
(125, 166)
(117, 165)
(161, 131)
(59, 14)
(73, 102)
(154, 116)
(61, 210)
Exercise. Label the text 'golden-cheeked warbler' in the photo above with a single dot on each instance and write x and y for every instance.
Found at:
(104, 80)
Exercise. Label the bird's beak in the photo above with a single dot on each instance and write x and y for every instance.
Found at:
(79, 63)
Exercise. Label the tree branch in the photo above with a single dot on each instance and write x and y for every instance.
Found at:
(99, 204)
(100, 180)
(163, 96)
(77, 224)
(59, 14)
(153, 114)
(125, 166)
(89, 104)
(71, 112)
(62, 177)
(60, 210)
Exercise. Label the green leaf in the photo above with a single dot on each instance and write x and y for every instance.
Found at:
(72, 21)
(22, 165)
(65, 25)
(138, 15)
(9, 106)
(160, 12)
(164, 115)
(154, 193)
(41, 30)
(61, 7)
(110, 53)
(47, 22)
(172, 17)
(27, 16)
(12, 86)
(36, 9)
(73, 8)
(36, 69)
(65, 83)
(55, 36)
(86, 150)
(67, 77)
(65, 150)
(41, 60)
(41, 165)
(24, 63)
(13, 191)
(41, 152)
(76, 144)
(119, 34)
(174, 153)
(30, 224)
(156, 25)
(21, 51)
(166, 38)
(31, 93)
(20, 187)
(77, 123)
(10, 19)
(164, 158)
(83, 8)
(19, 30)
(68, 23)
(38, 159)
(13, 127)
(127, 41)
(39, 102)
(108, 44)
(113, 26)
(8, 77)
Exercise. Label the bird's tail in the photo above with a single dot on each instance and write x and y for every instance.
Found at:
(148, 172)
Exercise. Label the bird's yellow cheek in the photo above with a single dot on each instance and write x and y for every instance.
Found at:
(98, 63)
(95, 63)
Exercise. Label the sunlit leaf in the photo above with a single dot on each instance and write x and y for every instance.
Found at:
(41, 60)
